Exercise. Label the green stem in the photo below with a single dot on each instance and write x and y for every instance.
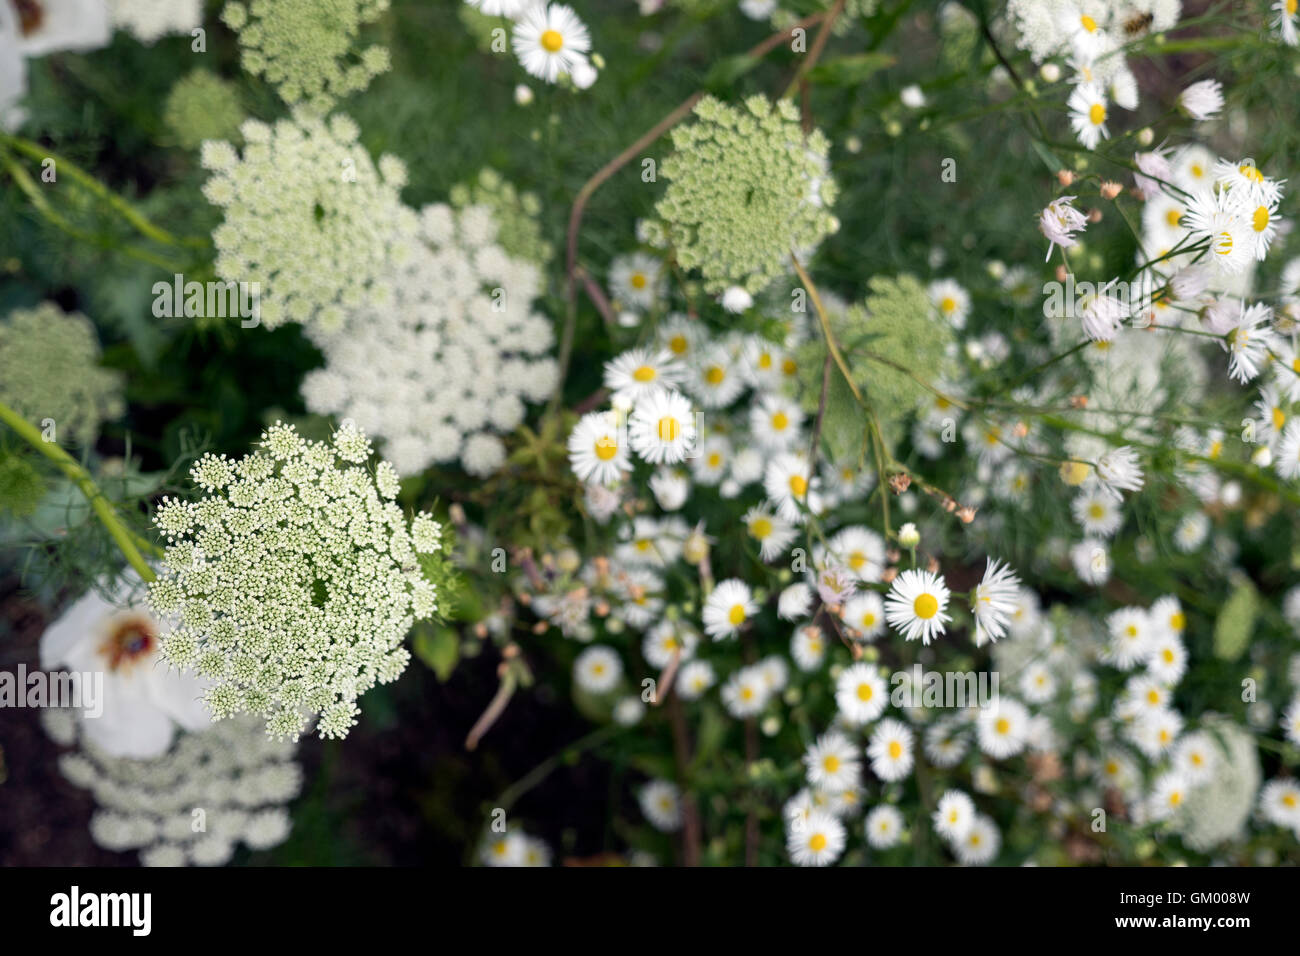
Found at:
(103, 508)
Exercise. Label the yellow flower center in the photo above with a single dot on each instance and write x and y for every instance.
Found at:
(1168, 655)
(798, 485)
(736, 615)
(1178, 620)
(715, 375)
(646, 373)
(789, 367)
(817, 843)
(715, 459)
(1131, 631)
(1003, 726)
(948, 305)
(865, 692)
(1260, 219)
(926, 606)
(1153, 696)
(1251, 172)
(606, 448)
(552, 41)
(895, 749)
(868, 620)
(1197, 170)
(780, 422)
(765, 361)
(669, 428)
(1279, 418)
(677, 344)
(831, 763)
(1096, 512)
(760, 528)
(1174, 216)
(638, 280)
(1289, 799)
(1097, 114)
(1088, 23)
(856, 560)
(746, 693)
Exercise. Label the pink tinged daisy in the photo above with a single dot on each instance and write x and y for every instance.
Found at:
(1118, 471)
(864, 615)
(1087, 105)
(916, 605)
(1059, 222)
(884, 827)
(596, 452)
(994, 601)
(980, 844)
(815, 839)
(860, 694)
(1249, 342)
(954, 816)
(1202, 100)
(550, 41)
(639, 373)
(833, 763)
(1002, 728)
(727, 609)
(662, 429)
(772, 532)
(1154, 170)
(890, 750)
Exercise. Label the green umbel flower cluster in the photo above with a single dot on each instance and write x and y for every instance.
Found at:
(518, 215)
(49, 370)
(309, 218)
(203, 106)
(746, 190)
(304, 48)
(293, 583)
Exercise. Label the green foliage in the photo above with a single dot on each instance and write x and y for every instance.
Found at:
(21, 486)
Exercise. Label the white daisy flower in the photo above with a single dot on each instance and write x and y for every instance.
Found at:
(595, 452)
(817, 840)
(1246, 184)
(1287, 461)
(709, 467)
(1192, 531)
(1285, 22)
(1196, 757)
(1168, 794)
(661, 802)
(1167, 659)
(861, 550)
(727, 608)
(808, 647)
(499, 8)
(1037, 683)
(550, 40)
(794, 602)
(1279, 803)
(1102, 315)
(1091, 560)
(916, 605)
(1156, 732)
(1291, 720)
(954, 816)
(980, 844)
(713, 378)
(884, 827)
(1058, 223)
(1097, 513)
(1130, 636)
(598, 669)
(694, 679)
(639, 373)
(951, 301)
(772, 532)
(790, 488)
(890, 749)
(671, 488)
(775, 423)
(1117, 471)
(666, 640)
(860, 694)
(1002, 728)
(1202, 100)
(833, 763)
(637, 280)
(662, 429)
(945, 745)
(994, 601)
(1249, 342)
(1087, 105)
(1214, 215)
(1167, 616)
(865, 614)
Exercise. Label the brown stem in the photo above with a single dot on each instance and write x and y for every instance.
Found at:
(691, 838)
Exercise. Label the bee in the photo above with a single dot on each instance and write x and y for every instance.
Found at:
(1138, 24)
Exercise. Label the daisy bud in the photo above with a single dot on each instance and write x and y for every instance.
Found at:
(1094, 215)
(1110, 189)
(540, 628)
(909, 536)
(1145, 137)
(480, 631)
(966, 513)
(1074, 473)
(1020, 430)
(900, 482)
(1062, 273)
(1050, 72)
(887, 576)
(736, 300)
(932, 565)
(1263, 457)
(1065, 177)
(583, 74)
(523, 94)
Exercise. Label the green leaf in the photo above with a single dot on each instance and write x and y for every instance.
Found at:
(727, 70)
(849, 70)
(1236, 621)
(439, 648)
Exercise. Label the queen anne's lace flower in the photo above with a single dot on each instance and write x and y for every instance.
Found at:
(295, 580)
(746, 190)
(305, 47)
(213, 790)
(309, 217)
(149, 20)
(461, 350)
(49, 369)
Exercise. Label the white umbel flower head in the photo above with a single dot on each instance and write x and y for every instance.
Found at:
(295, 580)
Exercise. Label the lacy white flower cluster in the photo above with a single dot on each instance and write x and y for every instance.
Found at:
(49, 370)
(195, 804)
(295, 580)
(449, 363)
(305, 47)
(746, 191)
(150, 20)
(309, 218)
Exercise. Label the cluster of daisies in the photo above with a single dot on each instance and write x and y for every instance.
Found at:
(550, 41)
